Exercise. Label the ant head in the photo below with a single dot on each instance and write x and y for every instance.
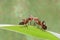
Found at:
(44, 27)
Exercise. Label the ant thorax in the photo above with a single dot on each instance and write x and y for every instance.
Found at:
(30, 19)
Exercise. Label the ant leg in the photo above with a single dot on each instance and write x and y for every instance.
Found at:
(26, 26)
(42, 29)
(30, 22)
(34, 24)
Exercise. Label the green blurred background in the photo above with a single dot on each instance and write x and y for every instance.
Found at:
(12, 11)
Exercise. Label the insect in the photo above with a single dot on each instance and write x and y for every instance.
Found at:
(44, 25)
(25, 21)
(30, 19)
(37, 21)
(40, 23)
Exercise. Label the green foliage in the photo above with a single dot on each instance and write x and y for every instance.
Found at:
(32, 31)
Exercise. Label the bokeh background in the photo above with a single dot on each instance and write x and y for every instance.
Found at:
(12, 11)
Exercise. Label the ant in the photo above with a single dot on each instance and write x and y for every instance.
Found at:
(25, 21)
(40, 23)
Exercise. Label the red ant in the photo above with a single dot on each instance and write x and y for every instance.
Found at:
(40, 23)
(25, 21)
